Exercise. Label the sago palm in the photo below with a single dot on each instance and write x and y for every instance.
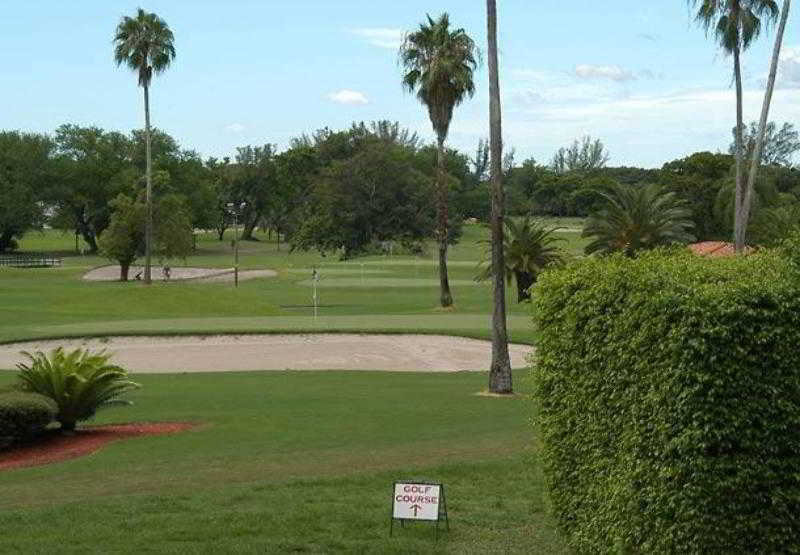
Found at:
(634, 218)
(145, 44)
(79, 382)
(529, 246)
(438, 64)
(736, 24)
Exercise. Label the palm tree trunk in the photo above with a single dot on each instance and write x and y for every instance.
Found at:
(446, 298)
(148, 230)
(738, 224)
(500, 379)
(524, 282)
(755, 162)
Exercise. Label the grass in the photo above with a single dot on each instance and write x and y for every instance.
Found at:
(376, 293)
(291, 461)
(283, 461)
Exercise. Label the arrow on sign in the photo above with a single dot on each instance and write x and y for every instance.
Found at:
(416, 508)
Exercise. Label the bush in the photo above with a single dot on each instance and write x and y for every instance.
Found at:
(668, 401)
(23, 415)
(80, 382)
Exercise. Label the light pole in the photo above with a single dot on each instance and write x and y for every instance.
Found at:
(234, 209)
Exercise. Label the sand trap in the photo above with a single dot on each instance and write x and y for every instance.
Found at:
(177, 273)
(219, 353)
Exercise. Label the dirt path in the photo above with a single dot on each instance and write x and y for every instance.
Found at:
(178, 273)
(219, 353)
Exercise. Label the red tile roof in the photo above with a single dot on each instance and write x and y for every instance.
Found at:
(715, 248)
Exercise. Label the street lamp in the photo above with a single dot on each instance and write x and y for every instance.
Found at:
(234, 209)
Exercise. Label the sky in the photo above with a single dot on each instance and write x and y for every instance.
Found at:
(638, 74)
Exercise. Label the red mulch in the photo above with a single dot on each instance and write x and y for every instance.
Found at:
(55, 447)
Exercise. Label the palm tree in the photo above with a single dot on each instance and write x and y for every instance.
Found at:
(529, 246)
(755, 161)
(438, 65)
(145, 44)
(500, 378)
(736, 24)
(638, 217)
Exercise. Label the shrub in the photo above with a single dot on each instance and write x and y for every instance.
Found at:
(80, 382)
(668, 402)
(23, 415)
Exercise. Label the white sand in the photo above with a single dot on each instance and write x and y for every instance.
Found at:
(177, 273)
(219, 353)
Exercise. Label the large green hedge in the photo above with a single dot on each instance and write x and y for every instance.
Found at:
(668, 403)
(23, 415)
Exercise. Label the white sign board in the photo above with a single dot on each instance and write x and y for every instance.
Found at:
(416, 501)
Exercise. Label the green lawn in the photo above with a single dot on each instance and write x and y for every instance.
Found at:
(283, 461)
(291, 461)
(376, 293)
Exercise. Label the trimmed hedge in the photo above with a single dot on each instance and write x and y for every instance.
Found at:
(668, 403)
(24, 415)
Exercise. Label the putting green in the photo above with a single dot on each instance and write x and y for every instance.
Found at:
(384, 282)
(326, 271)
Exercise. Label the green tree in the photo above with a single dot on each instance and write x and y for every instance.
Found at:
(585, 155)
(25, 170)
(94, 167)
(375, 195)
(634, 218)
(438, 65)
(736, 24)
(529, 247)
(779, 145)
(145, 44)
(124, 238)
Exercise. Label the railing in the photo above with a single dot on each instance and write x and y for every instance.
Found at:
(29, 260)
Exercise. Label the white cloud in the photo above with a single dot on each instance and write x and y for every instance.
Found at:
(346, 96)
(789, 66)
(383, 37)
(614, 73)
(235, 128)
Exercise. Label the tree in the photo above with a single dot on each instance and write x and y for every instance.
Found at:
(25, 170)
(500, 379)
(438, 65)
(145, 45)
(585, 155)
(375, 195)
(529, 247)
(637, 217)
(253, 182)
(755, 160)
(736, 24)
(124, 239)
(94, 167)
(779, 147)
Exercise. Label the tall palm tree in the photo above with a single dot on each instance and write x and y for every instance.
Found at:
(529, 246)
(500, 379)
(438, 65)
(755, 161)
(634, 218)
(736, 24)
(145, 44)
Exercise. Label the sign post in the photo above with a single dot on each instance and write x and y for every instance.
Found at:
(415, 500)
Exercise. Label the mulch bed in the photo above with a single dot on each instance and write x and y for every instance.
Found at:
(55, 447)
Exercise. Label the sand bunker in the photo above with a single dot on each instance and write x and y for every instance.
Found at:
(219, 353)
(178, 273)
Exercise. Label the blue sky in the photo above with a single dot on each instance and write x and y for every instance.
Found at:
(636, 73)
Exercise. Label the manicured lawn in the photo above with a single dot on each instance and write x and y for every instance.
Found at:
(377, 293)
(291, 461)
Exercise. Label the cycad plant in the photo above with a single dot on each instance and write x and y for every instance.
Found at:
(529, 246)
(79, 382)
(438, 64)
(634, 218)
